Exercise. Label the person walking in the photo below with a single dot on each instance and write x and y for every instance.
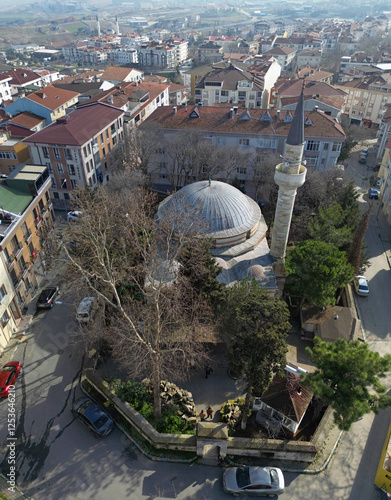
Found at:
(202, 415)
(208, 371)
(209, 411)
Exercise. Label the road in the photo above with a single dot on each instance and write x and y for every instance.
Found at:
(58, 458)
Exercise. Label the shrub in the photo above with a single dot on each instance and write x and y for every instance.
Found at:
(135, 393)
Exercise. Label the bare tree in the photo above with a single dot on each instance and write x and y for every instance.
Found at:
(157, 323)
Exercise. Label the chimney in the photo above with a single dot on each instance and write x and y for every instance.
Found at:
(316, 108)
(199, 104)
(110, 99)
(175, 110)
(231, 112)
(278, 114)
(235, 109)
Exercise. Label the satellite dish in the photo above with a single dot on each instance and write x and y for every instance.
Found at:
(286, 164)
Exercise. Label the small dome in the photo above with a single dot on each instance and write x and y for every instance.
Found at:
(221, 263)
(222, 206)
(256, 271)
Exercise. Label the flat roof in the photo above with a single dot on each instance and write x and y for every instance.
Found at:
(13, 200)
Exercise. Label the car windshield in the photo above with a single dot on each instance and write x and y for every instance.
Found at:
(82, 408)
(363, 286)
(274, 477)
(8, 369)
(242, 477)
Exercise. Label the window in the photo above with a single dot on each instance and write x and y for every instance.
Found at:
(244, 142)
(85, 151)
(73, 183)
(326, 145)
(49, 167)
(312, 146)
(56, 196)
(54, 185)
(3, 293)
(107, 133)
(311, 160)
(337, 147)
(4, 319)
(11, 168)
(71, 169)
(268, 143)
(101, 137)
(68, 154)
(45, 152)
(241, 170)
(66, 196)
(56, 153)
(64, 184)
(60, 168)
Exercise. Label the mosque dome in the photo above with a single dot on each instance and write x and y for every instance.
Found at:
(256, 271)
(225, 209)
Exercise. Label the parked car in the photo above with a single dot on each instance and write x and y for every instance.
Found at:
(378, 183)
(364, 151)
(361, 286)
(91, 415)
(74, 216)
(47, 297)
(8, 375)
(373, 194)
(253, 481)
(363, 158)
(85, 310)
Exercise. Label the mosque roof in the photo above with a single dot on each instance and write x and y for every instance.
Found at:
(225, 209)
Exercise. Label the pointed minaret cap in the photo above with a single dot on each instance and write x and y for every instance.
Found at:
(296, 131)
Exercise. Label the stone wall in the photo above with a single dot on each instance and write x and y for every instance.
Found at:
(206, 433)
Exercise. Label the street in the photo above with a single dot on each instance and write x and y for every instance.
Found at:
(56, 457)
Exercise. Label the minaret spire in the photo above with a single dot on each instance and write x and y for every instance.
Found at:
(289, 175)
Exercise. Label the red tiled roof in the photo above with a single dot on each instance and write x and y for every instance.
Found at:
(294, 88)
(216, 119)
(117, 73)
(280, 51)
(27, 119)
(313, 75)
(17, 131)
(79, 126)
(21, 76)
(51, 97)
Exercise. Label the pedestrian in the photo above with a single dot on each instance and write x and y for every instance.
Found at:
(208, 371)
(202, 415)
(209, 411)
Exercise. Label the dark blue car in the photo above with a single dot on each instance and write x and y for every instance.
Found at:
(91, 415)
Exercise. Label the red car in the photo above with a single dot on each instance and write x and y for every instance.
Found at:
(8, 375)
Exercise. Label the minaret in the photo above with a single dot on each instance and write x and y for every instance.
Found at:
(116, 26)
(289, 176)
(98, 25)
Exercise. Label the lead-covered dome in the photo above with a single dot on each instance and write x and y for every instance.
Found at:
(225, 209)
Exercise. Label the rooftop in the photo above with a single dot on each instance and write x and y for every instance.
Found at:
(51, 97)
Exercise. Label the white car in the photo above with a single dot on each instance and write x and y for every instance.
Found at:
(361, 286)
(253, 481)
(73, 216)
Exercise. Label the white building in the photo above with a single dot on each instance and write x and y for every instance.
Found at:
(5, 89)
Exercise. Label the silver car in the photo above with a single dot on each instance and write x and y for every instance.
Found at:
(361, 286)
(253, 481)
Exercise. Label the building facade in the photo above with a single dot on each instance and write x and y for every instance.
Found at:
(26, 215)
(77, 149)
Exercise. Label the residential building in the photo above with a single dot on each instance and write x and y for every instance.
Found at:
(28, 121)
(124, 55)
(385, 176)
(26, 216)
(13, 152)
(22, 78)
(77, 148)
(309, 57)
(137, 100)
(235, 86)
(384, 132)
(50, 103)
(284, 55)
(254, 131)
(367, 99)
(178, 94)
(133, 39)
(71, 51)
(311, 88)
(5, 89)
(114, 75)
(210, 52)
(314, 75)
(165, 55)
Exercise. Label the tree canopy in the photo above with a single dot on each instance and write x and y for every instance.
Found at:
(348, 378)
(255, 325)
(316, 270)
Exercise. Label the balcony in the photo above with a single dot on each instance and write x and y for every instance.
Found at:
(27, 235)
(18, 249)
(11, 262)
(38, 221)
(25, 270)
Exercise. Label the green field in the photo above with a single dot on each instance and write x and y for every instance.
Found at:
(72, 27)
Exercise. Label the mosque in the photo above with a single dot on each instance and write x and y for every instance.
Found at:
(235, 223)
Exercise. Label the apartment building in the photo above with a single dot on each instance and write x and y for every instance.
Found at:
(285, 56)
(50, 103)
(367, 99)
(77, 147)
(26, 215)
(115, 75)
(257, 132)
(20, 78)
(165, 55)
(5, 88)
(236, 86)
(13, 152)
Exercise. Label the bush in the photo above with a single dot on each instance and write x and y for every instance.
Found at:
(170, 422)
(135, 393)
